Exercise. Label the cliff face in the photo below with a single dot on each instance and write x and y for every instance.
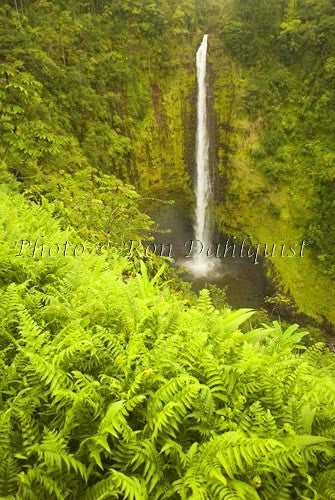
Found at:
(250, 203)
(164, 141)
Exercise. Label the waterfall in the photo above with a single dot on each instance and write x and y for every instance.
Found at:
(202, 186)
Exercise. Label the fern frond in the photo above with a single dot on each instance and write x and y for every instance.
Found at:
(52, 452)
(36, 483)
(5, 432)
(117, 484)
(204, 303)
(325, 484)
(9, 470)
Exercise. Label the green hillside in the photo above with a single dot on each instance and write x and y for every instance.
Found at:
(275, 106)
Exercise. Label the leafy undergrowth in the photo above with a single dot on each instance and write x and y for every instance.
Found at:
(114, 386)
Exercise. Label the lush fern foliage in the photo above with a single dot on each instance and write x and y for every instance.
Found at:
(115, 387)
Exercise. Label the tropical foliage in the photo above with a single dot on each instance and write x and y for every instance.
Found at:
(274, 96)
(289, 49)
(115, 387)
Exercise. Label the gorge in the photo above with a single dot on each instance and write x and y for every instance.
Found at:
(244, 283)
(246, 203)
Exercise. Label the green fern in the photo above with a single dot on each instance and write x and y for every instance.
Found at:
(110, 387)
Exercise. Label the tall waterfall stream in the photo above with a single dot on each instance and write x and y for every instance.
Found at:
(202, 226)
(246, 283)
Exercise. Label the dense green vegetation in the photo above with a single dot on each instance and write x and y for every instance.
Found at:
(100, 85)
(275, 105)
(114, 386)
(115, 380)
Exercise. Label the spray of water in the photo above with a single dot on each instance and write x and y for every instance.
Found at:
(202, 188)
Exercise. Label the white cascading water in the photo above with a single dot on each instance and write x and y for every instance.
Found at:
(203, 181)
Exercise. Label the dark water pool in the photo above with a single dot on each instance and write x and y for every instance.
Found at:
(245, 282)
